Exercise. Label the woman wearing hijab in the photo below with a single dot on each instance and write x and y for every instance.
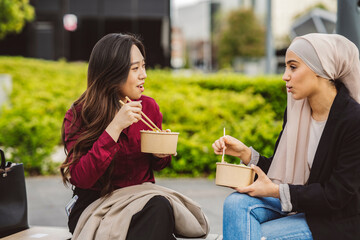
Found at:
(309, 188)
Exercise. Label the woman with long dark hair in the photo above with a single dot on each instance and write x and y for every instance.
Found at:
(102, 138)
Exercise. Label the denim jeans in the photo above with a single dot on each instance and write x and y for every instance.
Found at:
(251, 218)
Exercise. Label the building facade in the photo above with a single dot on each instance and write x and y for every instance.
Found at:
(47, 38)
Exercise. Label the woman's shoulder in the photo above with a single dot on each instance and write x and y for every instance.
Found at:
(344, 105)
(74, 110)
(145, 98)
(148, 101)
(150, 107)
(351, 114)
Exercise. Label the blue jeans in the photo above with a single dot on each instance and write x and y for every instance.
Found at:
(252, 218)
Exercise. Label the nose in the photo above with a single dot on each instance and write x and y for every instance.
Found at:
(143, 73)
(286, 76)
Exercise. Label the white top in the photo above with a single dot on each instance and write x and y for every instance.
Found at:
(316, 129)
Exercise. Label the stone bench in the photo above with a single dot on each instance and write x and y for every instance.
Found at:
(62, 233)
(41, 233)
(211, 236)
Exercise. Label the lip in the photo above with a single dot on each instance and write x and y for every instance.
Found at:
(141, 86)
(288, 88)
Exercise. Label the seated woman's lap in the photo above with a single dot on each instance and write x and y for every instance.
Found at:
(244, 216)
(154, 222)
(289, 227)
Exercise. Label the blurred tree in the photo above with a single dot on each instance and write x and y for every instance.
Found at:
(13, 16)
(241, 35)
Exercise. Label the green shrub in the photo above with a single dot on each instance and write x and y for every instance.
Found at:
(271, 88)
(198, 107)
(42, 92)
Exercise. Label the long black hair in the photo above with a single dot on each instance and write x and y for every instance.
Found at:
(108, 69)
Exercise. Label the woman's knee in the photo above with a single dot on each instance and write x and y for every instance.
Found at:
(160, 202)
(154, 221)
(237, 200)
(161, 206)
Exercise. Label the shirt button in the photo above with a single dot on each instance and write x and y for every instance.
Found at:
(115, 149)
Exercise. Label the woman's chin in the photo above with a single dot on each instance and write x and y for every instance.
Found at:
(136, 96)
(297, 97)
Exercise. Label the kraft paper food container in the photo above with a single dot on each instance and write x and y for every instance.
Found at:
(232, 175)
(158, 142)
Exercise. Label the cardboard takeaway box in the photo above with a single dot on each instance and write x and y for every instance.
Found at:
(233, 175)
(159, 142)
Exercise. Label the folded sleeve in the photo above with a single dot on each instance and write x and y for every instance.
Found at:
(285, 199)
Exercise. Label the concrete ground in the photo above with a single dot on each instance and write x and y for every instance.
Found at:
(47, 197)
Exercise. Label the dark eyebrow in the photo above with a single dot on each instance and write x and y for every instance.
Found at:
(134, 63)
(137, 62)
(291, 61)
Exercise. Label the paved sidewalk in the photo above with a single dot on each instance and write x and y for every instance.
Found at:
(47, 197)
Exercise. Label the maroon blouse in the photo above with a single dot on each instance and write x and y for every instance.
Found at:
(131, 165)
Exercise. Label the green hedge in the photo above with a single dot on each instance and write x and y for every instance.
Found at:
(198, 106)
(30, 126)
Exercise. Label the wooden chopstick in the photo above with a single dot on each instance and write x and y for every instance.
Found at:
(122, 103)
(156, 127)
(146, 117)
(223, 154)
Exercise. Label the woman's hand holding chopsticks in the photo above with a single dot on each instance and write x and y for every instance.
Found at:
(233, 147)
(148, 121)
(128, 114)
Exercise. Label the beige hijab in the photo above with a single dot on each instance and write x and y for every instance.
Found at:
(330, 56)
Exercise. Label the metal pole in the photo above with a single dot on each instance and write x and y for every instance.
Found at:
(101, 18)
(135, 16)
(65, 34)
(269, 41)
(209, 49)
(348, 19)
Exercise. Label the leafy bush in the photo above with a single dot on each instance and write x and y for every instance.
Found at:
(42, 92)
(269, 87)
(201, 105)
(197, 106)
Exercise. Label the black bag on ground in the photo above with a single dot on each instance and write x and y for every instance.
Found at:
(13, 201)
